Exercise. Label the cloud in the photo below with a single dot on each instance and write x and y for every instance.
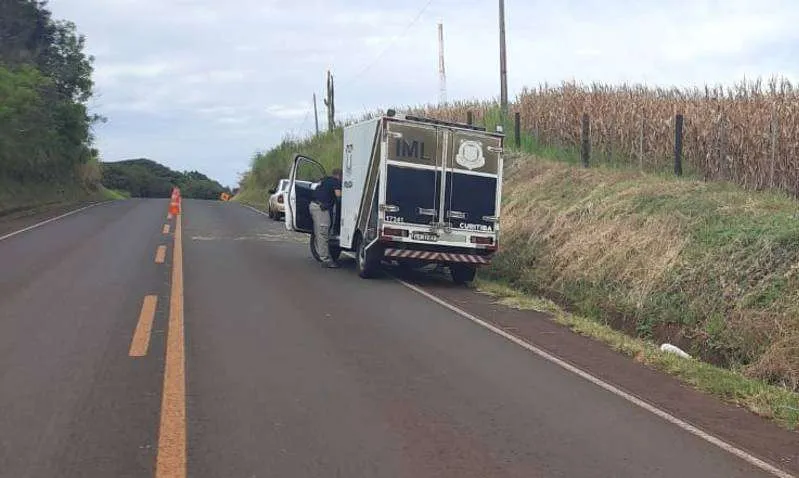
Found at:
(202, 84)
(288, 112)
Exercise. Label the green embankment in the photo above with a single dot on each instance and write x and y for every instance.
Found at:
(709, 267)
(46, 153)
(18, 197)
(270, 167)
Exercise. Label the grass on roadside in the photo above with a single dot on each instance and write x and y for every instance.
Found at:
(17, 198)
(766, 400)
(113, 194)
(270, 167)
(253, 196)
(707, 266)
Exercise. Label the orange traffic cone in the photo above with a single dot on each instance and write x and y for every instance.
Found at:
(174, 203)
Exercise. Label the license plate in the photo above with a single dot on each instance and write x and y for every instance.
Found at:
(424, 236)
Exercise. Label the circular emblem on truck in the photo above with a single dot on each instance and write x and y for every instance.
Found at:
(470, 155)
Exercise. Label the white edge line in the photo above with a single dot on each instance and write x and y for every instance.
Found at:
(12, 234)
(255, 209)
(752, 460)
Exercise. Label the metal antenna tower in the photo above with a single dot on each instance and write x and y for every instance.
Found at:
(442, 76)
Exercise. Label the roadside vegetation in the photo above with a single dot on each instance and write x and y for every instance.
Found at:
(46, 153)
(269, 167)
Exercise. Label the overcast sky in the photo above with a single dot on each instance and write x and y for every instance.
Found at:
(203, 84)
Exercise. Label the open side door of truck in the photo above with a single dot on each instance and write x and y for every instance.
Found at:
(305, 175)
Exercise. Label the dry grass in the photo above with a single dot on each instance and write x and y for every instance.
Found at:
(707, 266)
(745, 133)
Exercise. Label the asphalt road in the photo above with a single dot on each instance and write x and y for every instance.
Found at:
(290, 370)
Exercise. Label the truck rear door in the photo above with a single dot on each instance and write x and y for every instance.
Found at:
(414, 170)
(471, 196)
(442, 176)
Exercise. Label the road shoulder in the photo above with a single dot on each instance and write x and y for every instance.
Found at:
(734, 425)
(19, 220)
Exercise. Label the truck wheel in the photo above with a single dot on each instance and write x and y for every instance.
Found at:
(462, 273)
(314, 253)
(335, 251)
(368, 262)
(269, 212)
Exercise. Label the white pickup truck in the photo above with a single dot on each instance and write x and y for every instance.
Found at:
(415, 191)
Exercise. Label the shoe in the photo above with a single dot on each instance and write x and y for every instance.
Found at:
(330, 265)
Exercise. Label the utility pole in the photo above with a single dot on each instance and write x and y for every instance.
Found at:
(315, 115)
(442, 76)
(503, 66)
(329, 102)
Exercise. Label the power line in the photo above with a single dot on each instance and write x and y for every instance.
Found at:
(393, 42)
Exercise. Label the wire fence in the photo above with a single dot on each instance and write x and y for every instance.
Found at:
(748, 134)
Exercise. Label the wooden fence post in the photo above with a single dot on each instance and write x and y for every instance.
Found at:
(678, 120)
(774, 127)
(469, 117)
(641, 145)
(517, 129)
(585, 153)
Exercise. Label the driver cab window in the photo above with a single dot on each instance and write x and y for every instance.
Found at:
(308, 171)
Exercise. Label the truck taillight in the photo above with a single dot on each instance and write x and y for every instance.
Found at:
(482, 240)
(395, 232)
(280, 199)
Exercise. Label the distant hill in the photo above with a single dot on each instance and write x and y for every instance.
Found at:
(149, 179)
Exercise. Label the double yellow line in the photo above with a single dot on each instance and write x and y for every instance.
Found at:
(171, 458)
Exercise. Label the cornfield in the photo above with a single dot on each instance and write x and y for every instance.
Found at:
(747, 133)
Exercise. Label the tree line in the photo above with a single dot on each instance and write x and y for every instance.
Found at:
(45, 85)
(149, 179)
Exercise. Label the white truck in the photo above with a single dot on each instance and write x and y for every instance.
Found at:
(415, 191)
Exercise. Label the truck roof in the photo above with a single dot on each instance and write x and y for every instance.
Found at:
(392, 115)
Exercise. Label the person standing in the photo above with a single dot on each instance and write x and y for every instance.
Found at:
(325, 198)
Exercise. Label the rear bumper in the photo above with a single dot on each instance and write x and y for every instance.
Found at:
(432, 256)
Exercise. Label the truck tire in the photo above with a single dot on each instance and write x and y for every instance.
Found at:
(367, 262)
(312, 245)
(335, 251)
(462, 273)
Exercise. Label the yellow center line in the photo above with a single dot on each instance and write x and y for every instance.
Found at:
(160, 254)
(171, 460)
(141, 337)
(166, 229)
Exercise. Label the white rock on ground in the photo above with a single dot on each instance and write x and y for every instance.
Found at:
(674, 350)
